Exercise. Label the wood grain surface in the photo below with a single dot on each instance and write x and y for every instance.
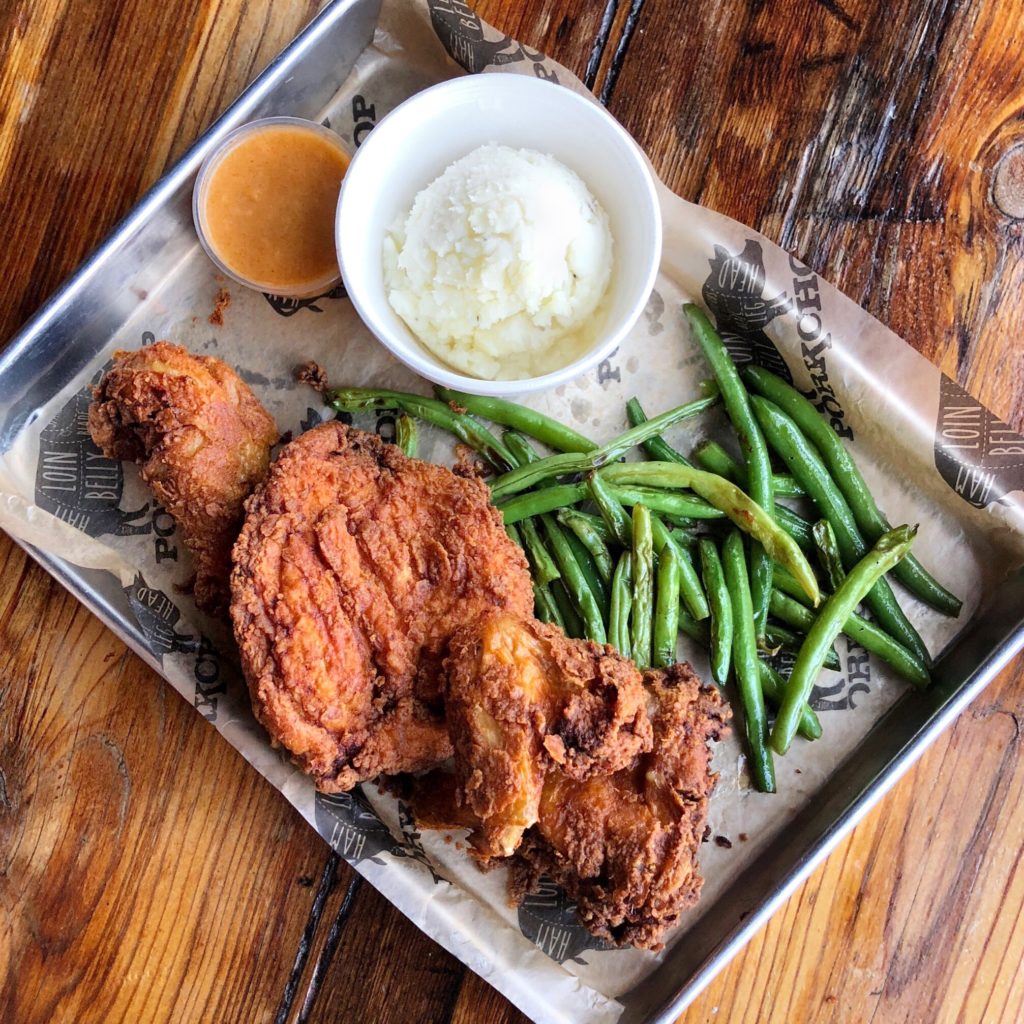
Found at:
(146, 873)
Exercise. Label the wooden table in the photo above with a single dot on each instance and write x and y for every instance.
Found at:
(147, 874)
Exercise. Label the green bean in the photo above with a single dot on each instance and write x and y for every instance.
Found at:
(406, 435)
(596, 523)
(772, 684)
(543, 565)
(591, 539)
(618, 447)
(782, 638)
(666, 608)
(528, 421)
(575, 581)
(669, 504)
(745, 662)
(715, 459)
(522, 451)
(695, 630)
(465, 428)
(685, 526)
(689, 582)
(752, 446)
(741, 509)
(616, 518)
(547, 499)
(806, 465)
(828, 553)
(684, 523)
(523, 477)
(858, 629)
(573, 624)
(888, 550)
(534, 473)
(847, 476)
(773, 687)
(621, 603)
(785, 581)
(656, 447)
(796, 526)
(721, 610)
(588, 567)
(643, 587)
(665, 502)
(544, 605)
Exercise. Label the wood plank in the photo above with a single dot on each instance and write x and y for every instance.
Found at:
(849, 142)
(846, 142)
(147, 873)
(101, 99)
(917, 915)
(145, 870)
(385, 970)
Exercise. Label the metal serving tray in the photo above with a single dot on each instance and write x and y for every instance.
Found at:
(79, 320)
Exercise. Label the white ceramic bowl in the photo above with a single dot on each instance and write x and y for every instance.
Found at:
(419, 139)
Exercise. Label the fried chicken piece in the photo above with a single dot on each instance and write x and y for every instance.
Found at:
(570, 763)
(353, 569)
(521, 699)
(202, 441)
(624, 846)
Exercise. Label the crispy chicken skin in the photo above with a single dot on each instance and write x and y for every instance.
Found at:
(353, 569)
(202, 441)
(568, 761)
(624, 846)
(521, 699)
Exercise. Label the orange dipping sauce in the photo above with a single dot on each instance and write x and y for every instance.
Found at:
(267, 207)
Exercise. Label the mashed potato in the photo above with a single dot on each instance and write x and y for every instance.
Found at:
(502, 264)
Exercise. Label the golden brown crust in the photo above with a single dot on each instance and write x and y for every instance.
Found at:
(624, 846)
(202, 441)
(353, 569)
(574, 766)
(523, 699)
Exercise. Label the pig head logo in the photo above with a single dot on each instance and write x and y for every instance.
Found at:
(548, 919)
(76, 482)
(348, 823)
(976, 453)
(157, 616)
(285, 306)
(412, 842)
(735, 293)
(462, 35)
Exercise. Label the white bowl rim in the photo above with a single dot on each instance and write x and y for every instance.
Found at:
(504, 388)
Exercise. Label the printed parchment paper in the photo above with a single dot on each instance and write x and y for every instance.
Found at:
(931, 453)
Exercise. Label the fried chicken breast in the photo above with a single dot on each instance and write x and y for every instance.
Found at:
(521, 699)
(624, 846)
(571, 763)
(202, 441)
(354, 568)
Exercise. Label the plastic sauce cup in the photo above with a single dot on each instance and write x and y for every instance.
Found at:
(279, 285)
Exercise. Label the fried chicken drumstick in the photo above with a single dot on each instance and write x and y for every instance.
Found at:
(202, 441)
(582, 770)
(354, 568)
